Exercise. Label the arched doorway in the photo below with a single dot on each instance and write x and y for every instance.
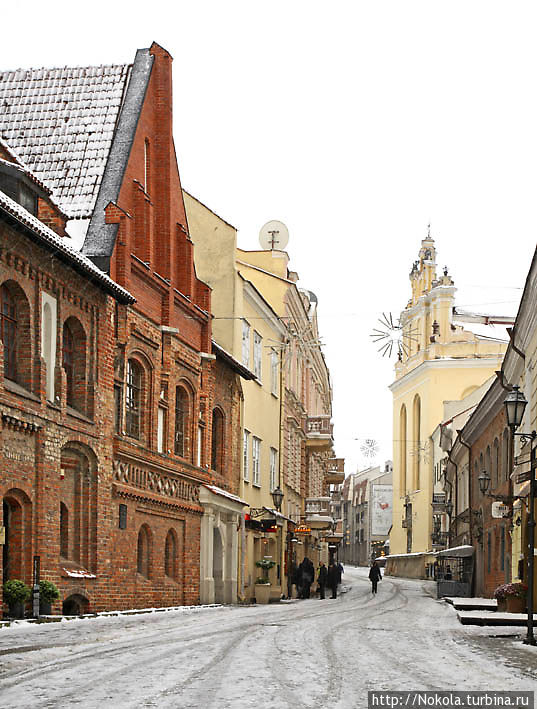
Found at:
(17, 550)
(75, 604)
(218, 566)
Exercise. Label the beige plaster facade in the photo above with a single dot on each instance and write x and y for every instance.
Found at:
(248, 328)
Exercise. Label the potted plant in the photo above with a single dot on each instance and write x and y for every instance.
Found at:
(511, 597)
(16, 593)
(48, 593)
(262, 584)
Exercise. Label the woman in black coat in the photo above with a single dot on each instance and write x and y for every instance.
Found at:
(374, 576)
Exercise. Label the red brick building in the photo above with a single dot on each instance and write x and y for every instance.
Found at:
(123, 524)
(483, 445)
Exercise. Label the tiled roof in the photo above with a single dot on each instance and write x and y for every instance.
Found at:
(61, 123)
(61, 248)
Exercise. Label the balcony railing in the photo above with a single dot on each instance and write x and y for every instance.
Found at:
(318, 515)
(318, 431)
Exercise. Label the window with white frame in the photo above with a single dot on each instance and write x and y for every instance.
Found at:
(273, 462)
(256, 454)
(258, 340)
(246, 343)
(274, 373)
(245, 456)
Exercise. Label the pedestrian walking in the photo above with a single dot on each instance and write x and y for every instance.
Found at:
(332, 580)
(307, 576)
(374, 576)
(293, 580)
(340, 571)
(322, 579)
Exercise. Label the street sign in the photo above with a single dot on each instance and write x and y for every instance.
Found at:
(523, 477)
(2, 535)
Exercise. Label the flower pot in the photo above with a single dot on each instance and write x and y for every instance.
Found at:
(45, 607)
(515, 604)
(262, 592)
(502, 605)
(16, 610)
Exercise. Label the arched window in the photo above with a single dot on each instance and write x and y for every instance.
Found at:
(402, 449)
(68, 363)
(505, 454)
(144, 552)
(74, 364)
(15, 334)
(170, 555)
(8, 314)
(496, 463)
(488, 464)
(182, 422)
(217, 441)
(133, 399)
(64, 531)
(78, 506)
(416, 445)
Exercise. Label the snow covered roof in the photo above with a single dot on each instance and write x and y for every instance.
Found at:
(61, 248)
(61, 123)
(225, 493)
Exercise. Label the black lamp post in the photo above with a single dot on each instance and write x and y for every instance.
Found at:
(277, 498)
(515, 403)
(484, 482)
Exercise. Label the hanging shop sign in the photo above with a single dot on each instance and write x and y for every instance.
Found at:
(302, 529)
(269, 525)
(499, 510)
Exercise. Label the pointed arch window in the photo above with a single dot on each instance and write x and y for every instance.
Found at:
(182, 421)
(217, 441)
(402, 450)
(64, 531)
(133, 398)
(8, 314)
(170, 555)
(143, 555)
(416, 443)
(68, 363)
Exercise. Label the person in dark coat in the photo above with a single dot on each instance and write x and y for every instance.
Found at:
(333, 579)
(322, 579)
(374, 576)
(293, 580)
(340, 569)
(307, 574)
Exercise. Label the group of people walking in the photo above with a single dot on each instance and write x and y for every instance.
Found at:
(303, 577)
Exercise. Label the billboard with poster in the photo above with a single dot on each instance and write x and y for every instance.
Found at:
(381, 509)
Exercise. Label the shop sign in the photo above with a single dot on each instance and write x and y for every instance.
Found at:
(302, 529)
(2, 535)
(499, 510)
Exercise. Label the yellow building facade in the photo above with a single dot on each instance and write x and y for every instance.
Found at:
(440, 360)
(247, 327)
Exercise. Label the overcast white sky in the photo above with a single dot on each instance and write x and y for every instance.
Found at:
(353, 122)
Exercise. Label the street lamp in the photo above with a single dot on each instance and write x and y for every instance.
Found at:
(277, 498)
(515, 403)
(484, 482)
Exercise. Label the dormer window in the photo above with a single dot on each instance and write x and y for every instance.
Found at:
(16, 184)
(27, 199)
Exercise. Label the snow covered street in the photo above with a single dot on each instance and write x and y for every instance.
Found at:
(298, 654)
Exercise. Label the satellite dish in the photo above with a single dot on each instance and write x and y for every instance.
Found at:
(274, 236)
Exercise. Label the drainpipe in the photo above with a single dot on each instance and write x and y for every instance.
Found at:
(455, 506)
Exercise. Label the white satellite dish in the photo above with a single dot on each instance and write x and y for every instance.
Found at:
(274, 236)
